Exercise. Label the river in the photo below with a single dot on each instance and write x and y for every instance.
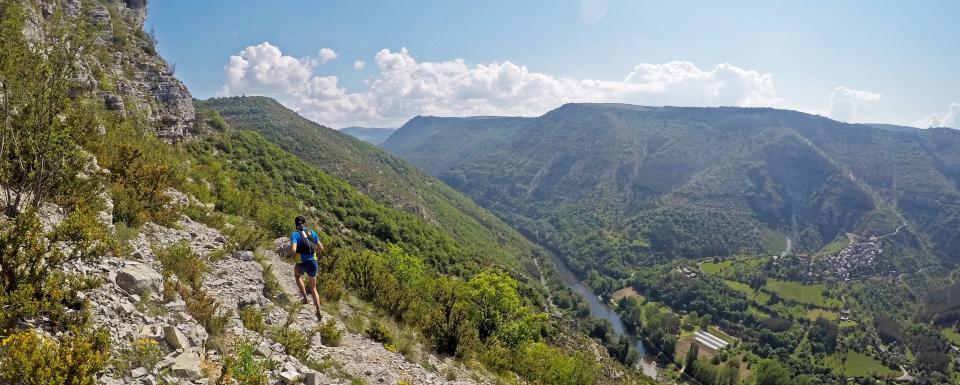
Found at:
(602, 310)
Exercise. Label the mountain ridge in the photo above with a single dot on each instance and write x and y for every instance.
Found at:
(383, 176)
(653, 163)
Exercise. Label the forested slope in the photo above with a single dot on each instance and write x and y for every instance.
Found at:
(617, 184)
(385, 177)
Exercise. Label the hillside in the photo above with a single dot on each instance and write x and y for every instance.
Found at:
(385, 177)
(150, 246)
(372, 135)
(620, 184)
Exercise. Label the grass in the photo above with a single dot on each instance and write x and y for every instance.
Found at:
(836, 246)
(759, 313)
(802, 293)
(753, 295)
(714, 268)
(627, 292)
(813, 314)
(860, 365)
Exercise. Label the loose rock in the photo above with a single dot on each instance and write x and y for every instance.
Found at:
(138, 277)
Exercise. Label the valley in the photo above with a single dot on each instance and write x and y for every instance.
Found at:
(679, 225)
(759, 231)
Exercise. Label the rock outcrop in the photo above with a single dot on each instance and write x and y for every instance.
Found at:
(128, 75)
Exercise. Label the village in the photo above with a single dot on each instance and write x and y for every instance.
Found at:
(858, 259)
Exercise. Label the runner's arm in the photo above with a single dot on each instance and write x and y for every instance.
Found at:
(293, 244)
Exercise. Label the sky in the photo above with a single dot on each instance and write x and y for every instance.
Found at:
(380, 63)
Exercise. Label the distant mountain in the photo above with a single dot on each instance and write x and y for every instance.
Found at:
(614, 184)
(371, 135)
(385, 177)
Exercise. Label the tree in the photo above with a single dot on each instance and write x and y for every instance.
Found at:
(771, 372)
(494, 301)
(692, 356)
(448, 323)
(39, 151)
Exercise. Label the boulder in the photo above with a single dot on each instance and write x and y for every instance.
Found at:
(139, 277)
(138, 372)
(264, 350)
(243, 255)
(175, 338)
(289, 377)
(187, 365)
(195, 332)
(313, 378)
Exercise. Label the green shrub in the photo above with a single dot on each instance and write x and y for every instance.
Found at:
(75, 358)
(203, 215)
(329, 334)
(180, 261)
(30, 277)
(295, 342)
(142, 168)
(204, 308)
(252, 318)
(38, 111)
(243, 367)
(245, 237)
(144, 352)
(377, 332)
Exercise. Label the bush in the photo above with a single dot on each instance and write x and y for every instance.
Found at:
(38, 112)
(142, 168)
(27, 358)
(31, 282)
(206, 310)
(329, 334)
(180, 261)
(252, 319)
(203, 215)
(245, 237)
(377, 332)
(144, 352)
(295, 342)
(243, 367)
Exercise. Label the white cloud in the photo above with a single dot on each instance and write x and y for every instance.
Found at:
(359, 64)
(327, 54)
(849, 104)
(592, 11)
(404, 87)
(949, 119)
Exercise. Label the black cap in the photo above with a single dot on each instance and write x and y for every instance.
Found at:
(300, 220)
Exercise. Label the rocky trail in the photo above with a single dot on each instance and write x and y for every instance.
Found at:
(130, 306)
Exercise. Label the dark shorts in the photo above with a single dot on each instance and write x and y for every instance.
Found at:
(310, 267)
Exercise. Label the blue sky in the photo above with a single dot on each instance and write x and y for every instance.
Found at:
(876, 61)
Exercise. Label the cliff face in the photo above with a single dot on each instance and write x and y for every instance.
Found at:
(125, 69)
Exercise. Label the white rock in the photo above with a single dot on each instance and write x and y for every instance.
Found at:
(289, 378)
(264, 349)
(138, 372)
(313, 378)
(187, 365)
(137, 277)
(175, 338)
